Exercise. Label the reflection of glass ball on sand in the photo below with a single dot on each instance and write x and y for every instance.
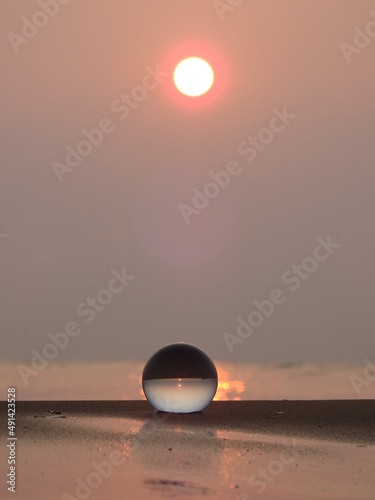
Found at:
(179, 378)
(186, 444)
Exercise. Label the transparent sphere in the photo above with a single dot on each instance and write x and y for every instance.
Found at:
(179, 378)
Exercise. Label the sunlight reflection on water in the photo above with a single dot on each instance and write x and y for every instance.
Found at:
(122, 380)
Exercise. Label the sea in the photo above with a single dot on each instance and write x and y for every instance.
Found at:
(239, 381)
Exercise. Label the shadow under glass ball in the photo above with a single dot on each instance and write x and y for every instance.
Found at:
(179, 378)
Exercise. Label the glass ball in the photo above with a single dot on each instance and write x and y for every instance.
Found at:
(179, 378)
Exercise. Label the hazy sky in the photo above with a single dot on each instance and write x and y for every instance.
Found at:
(309, 176)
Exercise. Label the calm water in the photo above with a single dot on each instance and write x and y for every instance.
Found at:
(98, 381)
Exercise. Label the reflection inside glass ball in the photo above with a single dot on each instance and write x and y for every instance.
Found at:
(179, 378)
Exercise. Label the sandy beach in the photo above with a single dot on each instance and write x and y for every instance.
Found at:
(238, 450)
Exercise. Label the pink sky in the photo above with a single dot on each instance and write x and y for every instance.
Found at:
(120, 206)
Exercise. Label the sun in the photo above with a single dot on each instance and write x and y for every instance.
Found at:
(193, 76)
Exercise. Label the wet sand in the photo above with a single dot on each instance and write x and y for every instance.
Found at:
(238, 450)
